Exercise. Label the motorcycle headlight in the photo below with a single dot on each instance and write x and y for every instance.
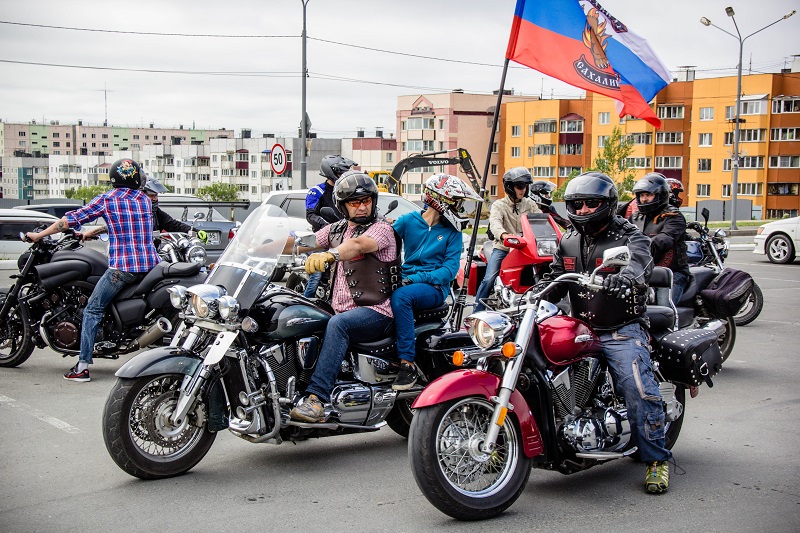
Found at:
(196, 254)
(203, 308)
(487, 329)
(720, 233)
(177, 296)
(204, 299)
(546, 246)
(228, 307)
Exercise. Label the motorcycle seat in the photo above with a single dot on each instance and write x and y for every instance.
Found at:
(431, 315)
(662, 319)
(165, 270)
(387, 346)
(685, 316)
(698, 280)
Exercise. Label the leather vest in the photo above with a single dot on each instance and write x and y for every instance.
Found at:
(676, 258)
(370, 280)
(581, 254)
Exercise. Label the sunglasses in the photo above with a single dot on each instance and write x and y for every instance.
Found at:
(359, 202)
(591, 204)
(520, 186)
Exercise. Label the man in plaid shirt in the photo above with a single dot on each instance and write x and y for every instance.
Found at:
(131, 254)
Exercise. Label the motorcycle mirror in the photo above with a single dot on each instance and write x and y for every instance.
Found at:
(392, 206)
(306, 239)
(199, 216)
(103, 237)
(518, 243)
(705, 213)
(617, 256)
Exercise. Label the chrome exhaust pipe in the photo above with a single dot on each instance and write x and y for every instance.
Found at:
(154, 333)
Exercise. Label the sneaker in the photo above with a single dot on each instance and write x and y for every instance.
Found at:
(407, 376)
(74, 375)
(657, 480)
(309, 410)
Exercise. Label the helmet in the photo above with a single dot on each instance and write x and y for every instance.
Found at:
(126, 173)
(656, 184)
(514, 176)
(675, 189)
(591, 186)
(446, 194)
(333, 166)
(355, 184)
(541, 192)
(154, 186)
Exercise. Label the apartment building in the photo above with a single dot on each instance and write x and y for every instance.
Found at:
(371, 153)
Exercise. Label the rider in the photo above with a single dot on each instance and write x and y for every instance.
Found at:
(131, 254)
(320, 196)
(666, 227)
(617, 312)
(675, 190)
(542, 194)
(432, 244)
(358, 247)
(504, 221)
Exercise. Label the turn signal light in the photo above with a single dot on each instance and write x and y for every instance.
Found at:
(458, 358)
(509, 350)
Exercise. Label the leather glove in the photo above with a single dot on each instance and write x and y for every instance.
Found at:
(318, 262)
(617, 285)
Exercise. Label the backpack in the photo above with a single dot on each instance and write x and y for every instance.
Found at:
(727, 292)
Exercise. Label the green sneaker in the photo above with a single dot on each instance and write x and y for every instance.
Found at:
(657, 480)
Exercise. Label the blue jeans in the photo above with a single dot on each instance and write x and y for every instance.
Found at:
(312, 284)
(359, 324)
(679, 283)
(109, 285)
(492, 269)
(404, 301)
(629, 359)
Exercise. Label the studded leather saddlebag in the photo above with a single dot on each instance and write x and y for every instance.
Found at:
(689, 356)
(727, 293)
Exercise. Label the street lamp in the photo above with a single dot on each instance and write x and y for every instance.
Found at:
(304, 117)
(735, 159)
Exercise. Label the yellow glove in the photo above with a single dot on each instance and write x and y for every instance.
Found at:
(316, 262)
(203, 236)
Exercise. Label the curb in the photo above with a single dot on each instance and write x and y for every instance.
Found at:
(742, 246)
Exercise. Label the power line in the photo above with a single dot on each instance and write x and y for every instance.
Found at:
(152, 33)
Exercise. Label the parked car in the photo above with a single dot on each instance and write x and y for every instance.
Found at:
(57, 210)
(14, 221)
(779, 240)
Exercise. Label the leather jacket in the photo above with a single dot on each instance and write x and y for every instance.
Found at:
(666, 231)
(318, 197)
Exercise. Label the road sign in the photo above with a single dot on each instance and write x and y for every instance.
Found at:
(277, 159)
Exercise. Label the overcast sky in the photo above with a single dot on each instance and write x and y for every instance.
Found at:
(352, 85)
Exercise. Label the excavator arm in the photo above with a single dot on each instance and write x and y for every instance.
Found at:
(435, 159)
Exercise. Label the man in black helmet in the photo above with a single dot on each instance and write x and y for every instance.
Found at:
(665, 225)
(617, 312)
(542, 194)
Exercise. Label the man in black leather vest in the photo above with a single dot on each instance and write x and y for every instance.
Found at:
(617, 312)
(666, 227)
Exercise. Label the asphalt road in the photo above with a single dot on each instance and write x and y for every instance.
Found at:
(737, 449)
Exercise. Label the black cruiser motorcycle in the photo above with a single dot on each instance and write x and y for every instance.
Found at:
(44, 307)
(244, 354)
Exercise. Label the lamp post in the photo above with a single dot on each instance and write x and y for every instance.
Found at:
(735, 159)
(303, 119)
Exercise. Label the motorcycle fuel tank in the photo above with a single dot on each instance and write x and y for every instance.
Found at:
(566, 339)
(287, 315)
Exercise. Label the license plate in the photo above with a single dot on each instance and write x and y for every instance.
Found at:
(220, 347)
(213, 237)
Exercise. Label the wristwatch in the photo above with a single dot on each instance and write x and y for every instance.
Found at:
(335, 253)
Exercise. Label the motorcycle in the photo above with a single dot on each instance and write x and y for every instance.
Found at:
(44, 307)
(710, 251)
(242, 357)
(542, 396)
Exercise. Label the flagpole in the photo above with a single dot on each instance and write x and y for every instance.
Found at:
(462, 295)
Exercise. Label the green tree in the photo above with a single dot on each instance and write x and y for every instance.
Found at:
(70, 193)
(87, 193)
(612, 161)
(219, 192)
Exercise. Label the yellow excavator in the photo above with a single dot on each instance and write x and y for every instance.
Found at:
(390, 181)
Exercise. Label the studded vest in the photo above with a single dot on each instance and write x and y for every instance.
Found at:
(675, 258)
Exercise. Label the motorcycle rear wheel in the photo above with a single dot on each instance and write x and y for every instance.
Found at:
(728, 338)
(452, 472)
(139, 436)
(16, 339)
(399, 418)
(752, 308)
(674, 427)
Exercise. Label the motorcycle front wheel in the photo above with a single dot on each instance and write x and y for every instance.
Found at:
(139, 434)
(450, 468)
(16, 339)
(752, 307)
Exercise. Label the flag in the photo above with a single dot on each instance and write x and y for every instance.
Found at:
(580, 43)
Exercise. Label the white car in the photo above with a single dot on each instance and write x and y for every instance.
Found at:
(779, 240)
(14, 221)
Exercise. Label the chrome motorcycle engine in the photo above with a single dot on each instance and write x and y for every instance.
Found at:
(67, 305)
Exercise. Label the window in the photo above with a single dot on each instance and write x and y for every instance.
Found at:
(781, 213)
(704, 139)
(564, 172)
(726, 190)
(530, 130)
(787, 105)
(706, 113)
(420, 123)
(755, 107)
(135, 137)
(544, 126)
(104, 135)
(570, 149)
(746, 162)
(104, 145)
(640, 138)
(543, 172)
(572, 126)
(94, 135)
(669, 137)
(670, 111)
(515, 151)
(782, 161)
(783, 189)
(493, 170)
(494, 148)
(637, 162)
(389, 157)
(516, 131)
(56, 144)
(746, 136)
(784, 134)
(703, 189)
(22, 134)
(441, 123)
(544, 149)
(604, 118)
(704, 165)
(669, 162)
(420, 146)
(56, 135)
(750, 189)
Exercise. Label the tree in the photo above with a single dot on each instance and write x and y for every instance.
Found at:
(70, 193)
(87, 193)
(219, 192)
(613, 161)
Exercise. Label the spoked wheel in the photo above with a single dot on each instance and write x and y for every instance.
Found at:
(399, 418)
(674, 427)
(139, 434)
(16, 342)
(752, 307)
(727, 337)
(450, 468)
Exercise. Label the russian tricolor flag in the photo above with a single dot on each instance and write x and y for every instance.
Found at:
(580, 43)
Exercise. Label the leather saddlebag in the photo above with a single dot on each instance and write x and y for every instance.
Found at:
(689, 356)
(727, 293)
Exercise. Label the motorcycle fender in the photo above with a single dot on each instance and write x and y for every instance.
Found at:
(468, 382)
(162, 360)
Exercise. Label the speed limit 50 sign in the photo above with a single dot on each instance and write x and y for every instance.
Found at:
(277, 159)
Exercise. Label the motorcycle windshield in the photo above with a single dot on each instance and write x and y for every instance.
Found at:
(246, 265)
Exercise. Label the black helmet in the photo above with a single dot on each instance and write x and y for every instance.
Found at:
(154, 186)
(352, 185)
(542, 192)
(675, 189)
(333, 166)
(126, 173)
(591, 186)
(654, 183)
(514, 176)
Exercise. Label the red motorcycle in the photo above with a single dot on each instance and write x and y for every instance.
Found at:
(527, 261)
(542, 396)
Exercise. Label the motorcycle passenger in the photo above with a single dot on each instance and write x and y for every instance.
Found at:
(542, 194)
(666, 227)
(617, 312)
(320, 196)
(432, 244)
(675, 190)
(504, 221)
(358, 246)
(131, 254)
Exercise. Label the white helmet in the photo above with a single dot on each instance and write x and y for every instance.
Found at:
(446, 194)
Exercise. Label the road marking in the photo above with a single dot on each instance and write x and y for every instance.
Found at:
(53, 421)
